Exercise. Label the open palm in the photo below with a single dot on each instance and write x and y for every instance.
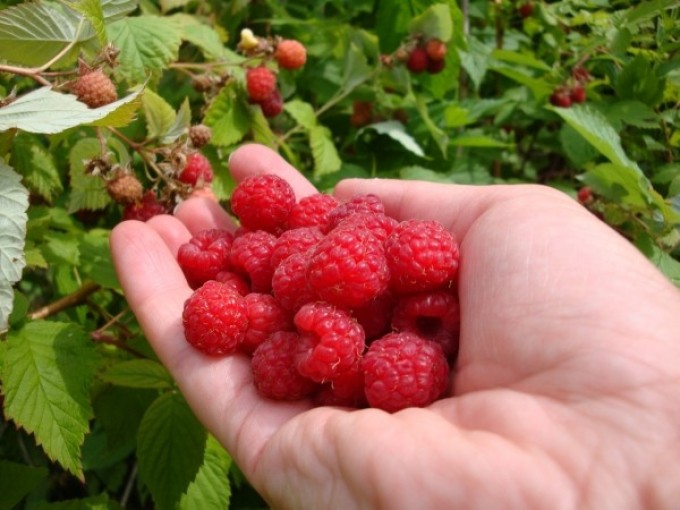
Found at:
(565, 392)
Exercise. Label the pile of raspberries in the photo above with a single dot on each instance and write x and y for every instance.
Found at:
(335, 302)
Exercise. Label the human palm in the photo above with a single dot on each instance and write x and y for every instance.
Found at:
(564, 392)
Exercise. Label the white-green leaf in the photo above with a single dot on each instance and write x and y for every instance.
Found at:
(326, 158)
(138, 373)
(17, 480)
(396, 131)
(170, 449)
(49, 367)
(160, 116)
(302, 112)
(211, 489)
(228, 118)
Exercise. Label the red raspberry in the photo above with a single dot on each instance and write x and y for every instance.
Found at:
(205, 255)
(289, 283)
(580, 74)
(362, 113)
(403, 370)
(145, 209)
(198, 170)
(290, 54)
(263, 202)
(215, 319)
(431, 315)
(260, 83)
(577, 94)
(380, 225)
(273, 105)
(585, 195)
(526, 9)
(331, 341)
(125, 188)
(233, 280)
(360, 204)
(346, 390)
(295, 241)
(417, 60)
(435, 49)
(421, 255)
(435, 66)
(312, 211)
(376, 316)
(274, 372)
(348, 268)
(561, 98)
(95, 89)
(265, 317)
(251, 258)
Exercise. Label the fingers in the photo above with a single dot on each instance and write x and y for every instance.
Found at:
(202, 213)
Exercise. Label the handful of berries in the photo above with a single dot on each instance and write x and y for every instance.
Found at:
(337, 302)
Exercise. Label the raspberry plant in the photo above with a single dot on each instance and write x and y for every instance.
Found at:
(86, 407)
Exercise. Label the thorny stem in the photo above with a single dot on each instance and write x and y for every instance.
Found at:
(68, 301)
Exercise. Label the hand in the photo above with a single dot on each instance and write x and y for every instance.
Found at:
(566, 390)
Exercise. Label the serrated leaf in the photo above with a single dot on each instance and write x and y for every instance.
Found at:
(576, 148)
(180, 125)
(435, 22)
(200, 35)
(170, 449)
(160, 116)
(47, 111)
(147, 45)
(120, 410)
(211, 489)
(17, 481)
(662, 260)
(397, 132)
(638, 81)
(326, 158)
(261, 130)
(138, 373)
(302, 112)
(633, 113)
(228, 118)
(117, 9)
(35, 163)
(95, 258)
(475, 60)
(87, 191)
(48, 371)
(356, 69)
(93, 12)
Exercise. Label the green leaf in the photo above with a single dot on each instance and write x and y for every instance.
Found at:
(419, 173)
(13, 219)
(47, 111)
(435, 22)
(633, 113)
(138, 373)
(201, 35)
(662, 260)
(638, 81)
(94, 13)
(147, 45)
(262, 131)
(211, 488)
(180, 125)
(326, 159)
(95, 258)
(475, 60)
(87, 191)
(397, 132)
(538, 86)
(17, 481)
(302, 113)
(576, 148)
(35, 163)
(170, 449)
(101, 502)
(521, 59)
(48, 371)
(228, 118)
(647, 10)
(471, 140)
(356, 69)
(160, 116)
(456, 116)
(440, 137)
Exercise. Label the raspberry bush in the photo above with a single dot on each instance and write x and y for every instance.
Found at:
(122, 110)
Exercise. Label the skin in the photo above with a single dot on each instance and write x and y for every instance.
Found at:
(565, 392)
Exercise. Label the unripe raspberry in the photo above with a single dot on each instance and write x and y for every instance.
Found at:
(435, 49)
(260, 83)
(199, 135)
(290, 54)
(95, 89)
(417, 60)
(125, 188)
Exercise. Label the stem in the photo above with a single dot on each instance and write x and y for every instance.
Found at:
(68, 301)
(128, 486)
(104, 338)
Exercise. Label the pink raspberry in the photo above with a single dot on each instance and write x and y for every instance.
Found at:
(404, 370)
(274, 373)
(346, 390)
(331, 341)
(198, 170)
(263, 202)
(289, 283)
(260, 83)
(312, 211)
(233, 280)
(360, 204)
(204, 256)
(433, 315)
(294, 241)
(379, 225)
(290, 54)
(215, 319)
(348, 268)
(265, 317)
(421, 255)
(251, 258)
(376, 315)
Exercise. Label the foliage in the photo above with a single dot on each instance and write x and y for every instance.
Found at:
(91, 418)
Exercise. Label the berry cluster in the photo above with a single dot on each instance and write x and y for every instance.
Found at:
(574, 92)
(427, 56)
(337, 302)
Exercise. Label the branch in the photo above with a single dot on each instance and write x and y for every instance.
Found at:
(68, 301)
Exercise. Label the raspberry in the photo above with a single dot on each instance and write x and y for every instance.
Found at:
(290, 54)
(263, 202)
(312, 211)
(198, 170)
(95, 89)
(561, 98)
(289, 283)
(403, 370)
(417, 60)
(577, 94)
(265, 317)
(145, 209)
(580, 74)
(331, 341)
(435, 49)
(363, 203)
(205, 255)
(434, 316)
(379, 225)
(215, 319)
(421, 255)
(585, 195)
(346, 390)
(251, 257)
(234, 281)
(362, 113)
(294, 241)
(348, 268)
(273, 105)
(125, 188)
(435, 66)
(274, 373)
(376, 316)
(260, 83)
(526, 9)
(200, 135)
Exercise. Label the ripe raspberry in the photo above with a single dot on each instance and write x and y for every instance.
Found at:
(577, 94)
(290, 54)
(204, 256)
(526, 9)
(417, 60)
(434, 316)
(274, 372)
(265, 317)
(403, 370)
(585, 195)
(125, 188)
(263, 202)
(380, 225)
(331, 341)
(368, 203)
(273, 105)
(234, 281)
(362, 113)
(200, 135)
(376, 316)
(348, 268)
(435, 49)
(421, 255)
(145, 209)
(251, 258)
(260, 83)
(293, 241)
(561, 98)
(346, 390)
(289, 283)
(198, 170)
(312, 211)
(95, 89)
(435, 66)
(215, 319)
